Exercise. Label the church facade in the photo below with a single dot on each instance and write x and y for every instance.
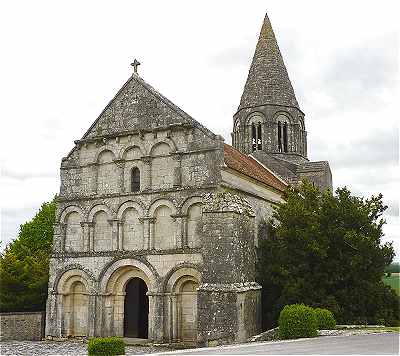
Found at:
(157, 217)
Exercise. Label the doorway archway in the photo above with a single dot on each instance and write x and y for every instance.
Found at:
(136, 309)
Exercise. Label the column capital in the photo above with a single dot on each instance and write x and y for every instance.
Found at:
(146, 159)
(177, 155)
(120, 163)
(150, 219)
(87, 223)
(179, 216)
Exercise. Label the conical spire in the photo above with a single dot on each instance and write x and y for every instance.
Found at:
(268, 81)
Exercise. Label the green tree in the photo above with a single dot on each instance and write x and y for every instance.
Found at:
(325, 250)
(24, 264)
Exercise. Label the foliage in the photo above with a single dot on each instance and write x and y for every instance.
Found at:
(107, 346)
(325, 319)
(24, 264)
(297, 320)
(325, 250)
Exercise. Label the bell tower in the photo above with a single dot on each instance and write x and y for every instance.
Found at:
(269, 124)
(269, 118)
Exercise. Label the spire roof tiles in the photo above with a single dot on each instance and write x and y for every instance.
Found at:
(268, 81)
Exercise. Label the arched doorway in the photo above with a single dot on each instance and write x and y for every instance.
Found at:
(136, 309)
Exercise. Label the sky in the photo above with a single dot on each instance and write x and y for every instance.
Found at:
(63, 61)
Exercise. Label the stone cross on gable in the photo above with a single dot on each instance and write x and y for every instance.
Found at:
(135, 65)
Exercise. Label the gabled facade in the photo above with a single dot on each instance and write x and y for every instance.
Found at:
(157, 217)
(150, 234)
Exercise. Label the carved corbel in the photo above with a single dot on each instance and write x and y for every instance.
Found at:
(146, 159)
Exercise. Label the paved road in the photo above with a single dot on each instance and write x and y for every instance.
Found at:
(367, 344)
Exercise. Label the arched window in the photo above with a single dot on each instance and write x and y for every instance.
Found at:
(135, 179)
(282, 133)
(253, 137)
(285, 137)
(256, 132)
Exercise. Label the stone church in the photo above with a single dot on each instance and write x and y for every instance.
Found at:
(157, 217)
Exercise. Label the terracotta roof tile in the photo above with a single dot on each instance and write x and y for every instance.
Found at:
(248, 166)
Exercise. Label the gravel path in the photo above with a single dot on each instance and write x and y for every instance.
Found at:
(69, 347)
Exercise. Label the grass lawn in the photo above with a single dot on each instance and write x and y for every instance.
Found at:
(386, 328)
(394, 282)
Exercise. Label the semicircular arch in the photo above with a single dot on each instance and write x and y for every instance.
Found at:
(97, 208)
(255, 117)
(69, 275)
(159, 202)
(130, 204)
(125, 150)
(176, 274)
(283, 116)
(116, 275)
(69, 209)
(167, 141)
(189, 202)
(103, 151)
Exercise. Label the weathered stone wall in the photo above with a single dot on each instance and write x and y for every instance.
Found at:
(105, 232)
(22, 326)
(217, 321)
(109, 229)
(318, 173)
(174, 156)
(228, 273)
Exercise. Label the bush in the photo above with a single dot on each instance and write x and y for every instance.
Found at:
(325, 319)
(297, 320)
(107, 346)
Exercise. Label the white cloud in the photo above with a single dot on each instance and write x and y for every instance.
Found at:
(63, 61)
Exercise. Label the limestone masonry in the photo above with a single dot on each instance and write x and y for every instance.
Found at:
(157, 217)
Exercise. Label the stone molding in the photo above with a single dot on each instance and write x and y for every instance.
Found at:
(123, 253)
(128, 194)
(232, 287)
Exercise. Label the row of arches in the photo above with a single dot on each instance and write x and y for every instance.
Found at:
(133, 228)
(134, 167)
(136, 150)
(283, 134)
(128, 293)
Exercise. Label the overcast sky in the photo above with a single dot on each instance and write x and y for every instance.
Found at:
(62, 61)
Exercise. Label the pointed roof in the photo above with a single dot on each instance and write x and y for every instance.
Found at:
(138, 106)
(268, 81)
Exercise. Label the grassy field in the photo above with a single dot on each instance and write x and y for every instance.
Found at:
(394, 282)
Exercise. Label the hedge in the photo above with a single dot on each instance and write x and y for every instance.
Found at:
(325, 319)
(297, 320)
(107, 346)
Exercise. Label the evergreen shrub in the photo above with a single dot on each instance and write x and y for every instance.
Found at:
(107, 346)
(325, 319)
(297, 320)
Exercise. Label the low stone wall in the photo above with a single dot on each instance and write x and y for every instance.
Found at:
(22, 326)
